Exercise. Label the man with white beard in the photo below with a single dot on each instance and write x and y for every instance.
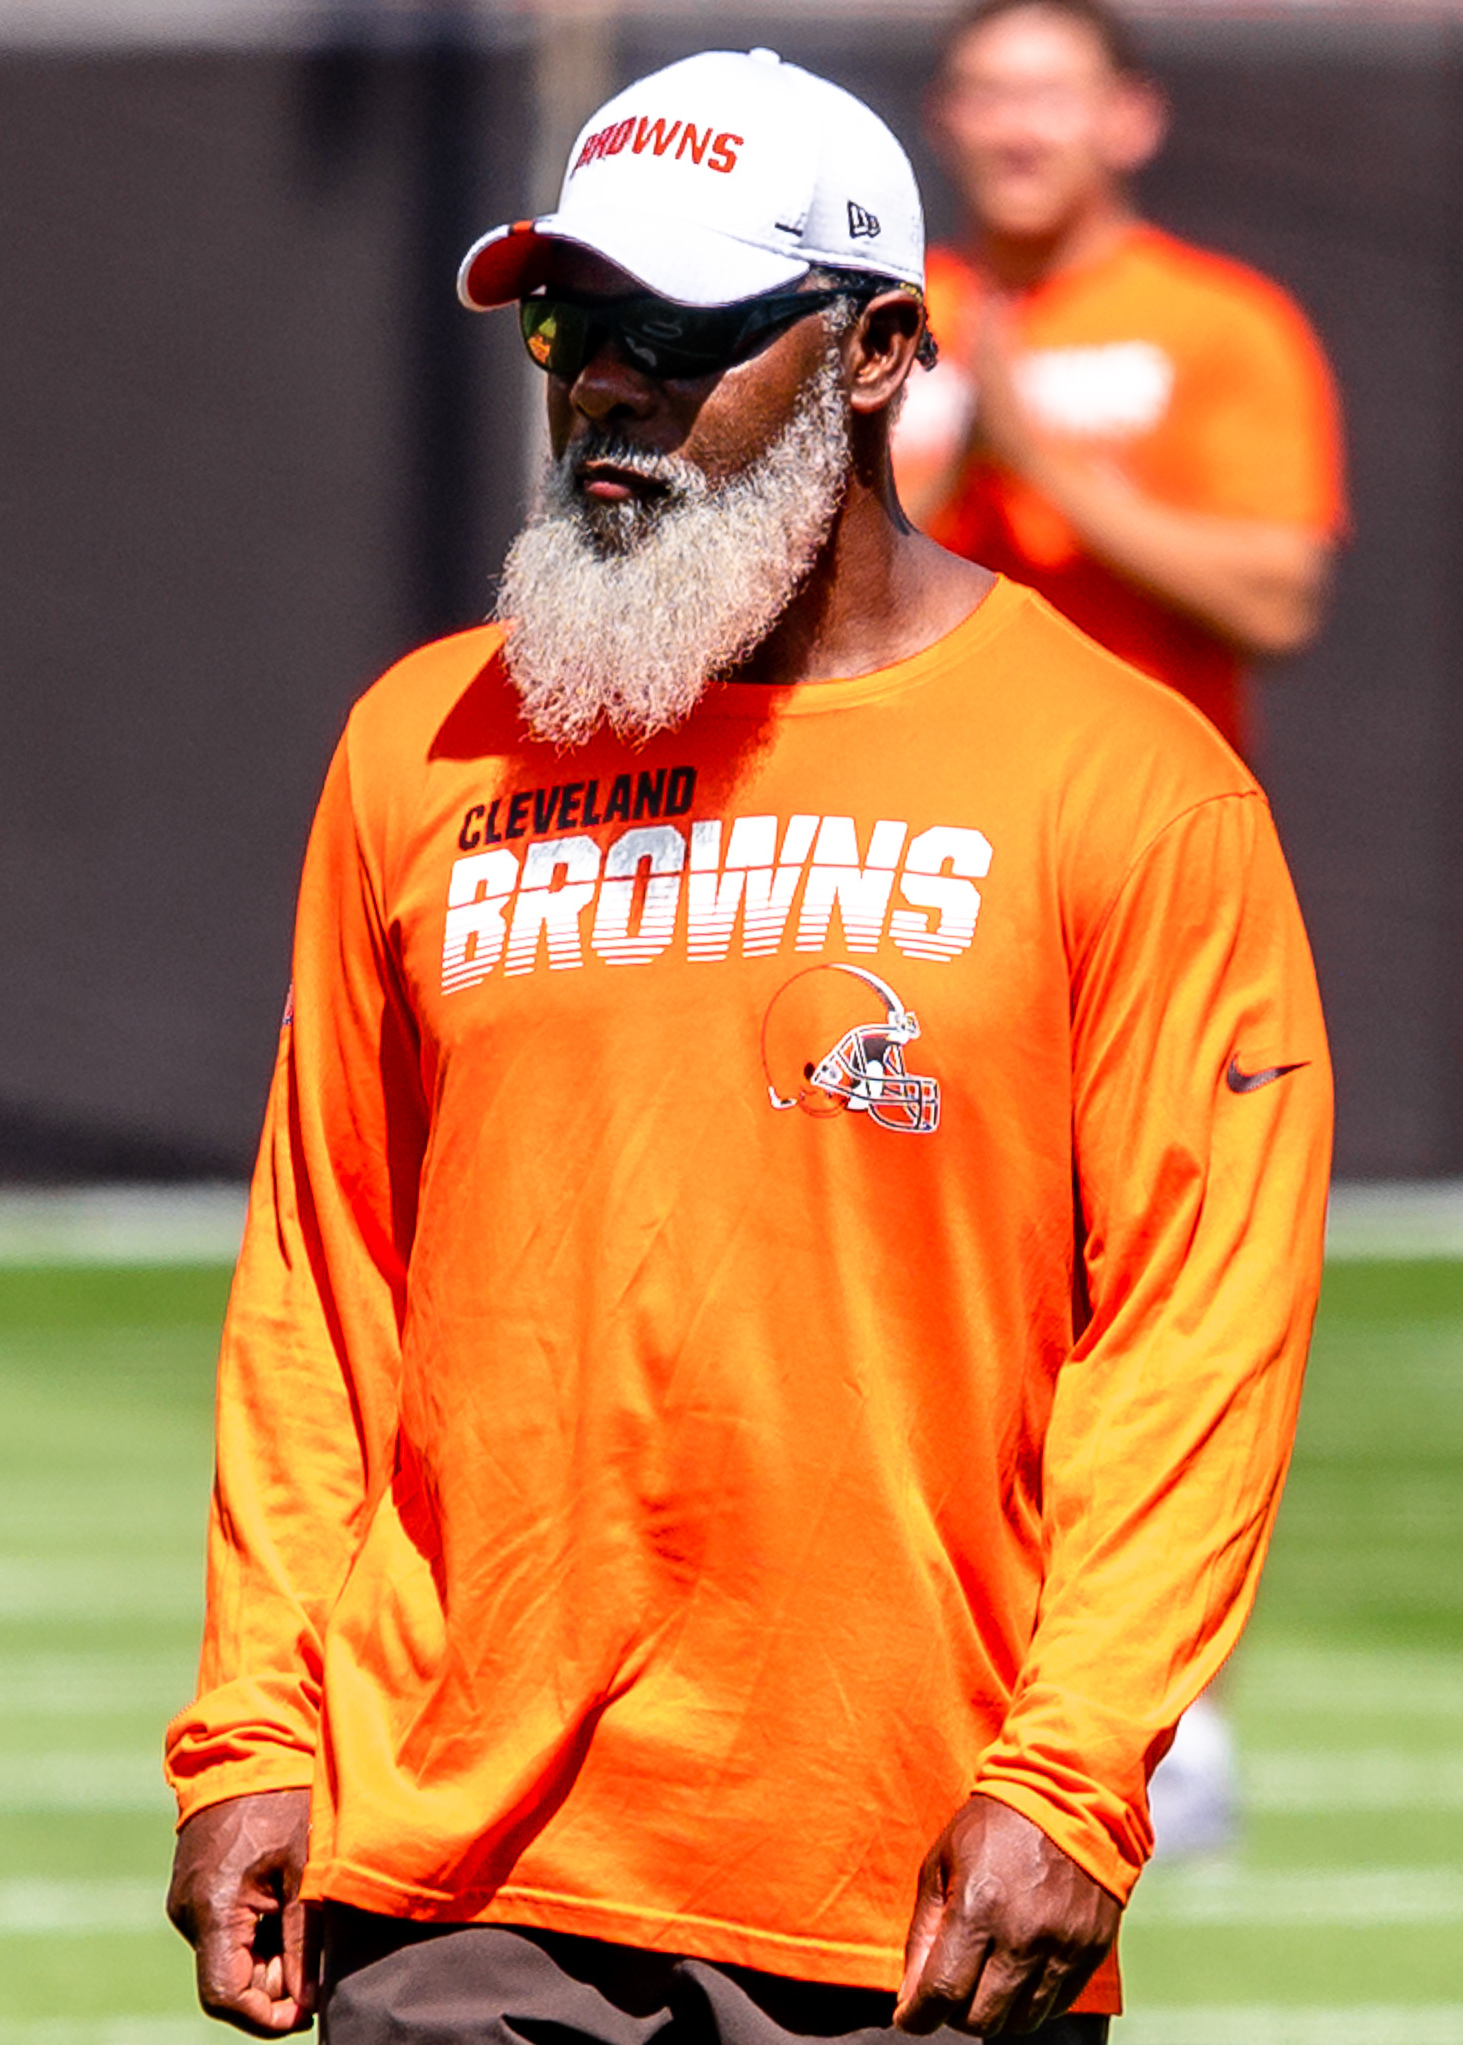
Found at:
(594, 592)
(759, 1376)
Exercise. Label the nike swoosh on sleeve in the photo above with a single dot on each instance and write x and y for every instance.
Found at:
(1250, 1082)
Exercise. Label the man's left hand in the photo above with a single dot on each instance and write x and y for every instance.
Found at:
(1006, 1929)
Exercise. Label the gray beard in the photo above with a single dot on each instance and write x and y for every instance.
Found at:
(624, 613)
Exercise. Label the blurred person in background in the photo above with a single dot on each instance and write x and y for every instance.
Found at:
(1143, 430)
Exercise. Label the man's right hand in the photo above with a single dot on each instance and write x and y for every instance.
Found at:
(235, 1897)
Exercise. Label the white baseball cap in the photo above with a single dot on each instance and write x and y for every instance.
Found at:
(723, 176)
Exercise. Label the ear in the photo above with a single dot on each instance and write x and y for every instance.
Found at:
(1136, 125)
(879, 351)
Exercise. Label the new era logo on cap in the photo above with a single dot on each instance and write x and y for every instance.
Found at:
(723, 176)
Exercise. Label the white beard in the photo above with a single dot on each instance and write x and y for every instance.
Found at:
(625, 612)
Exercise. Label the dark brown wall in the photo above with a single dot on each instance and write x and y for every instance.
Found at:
(251, 450)
(227, 346)
(1339, 173)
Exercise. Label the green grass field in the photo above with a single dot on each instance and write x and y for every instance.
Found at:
(1338, 1920)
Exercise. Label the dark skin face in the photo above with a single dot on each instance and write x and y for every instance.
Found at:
(720, 422)
(880, 591)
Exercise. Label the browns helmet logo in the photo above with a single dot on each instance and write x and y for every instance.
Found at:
(833, 1043)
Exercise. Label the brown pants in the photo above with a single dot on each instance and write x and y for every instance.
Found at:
(391, 1982)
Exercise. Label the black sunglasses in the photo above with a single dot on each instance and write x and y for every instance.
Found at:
(563, 331)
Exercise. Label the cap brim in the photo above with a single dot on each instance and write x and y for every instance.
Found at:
(506, 264)
(676, 259)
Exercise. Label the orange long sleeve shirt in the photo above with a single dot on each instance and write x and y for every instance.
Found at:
(661, 1470)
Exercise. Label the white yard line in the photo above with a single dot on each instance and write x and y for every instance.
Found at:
(31, 1783)
(199, 1224)
(197, 2030)
(63, 1778)
(1346, 1682)
(34, 1908)
(1368, 1779)
(1395, 1218)
(192, 1224)
(1369, 1898)
(1274, 2024)
(96, 1685)
(1215, 2024)
(1270, 1897)
(99, 1588)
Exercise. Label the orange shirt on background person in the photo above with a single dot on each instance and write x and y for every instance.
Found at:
(1196, 378)
(659, 1474)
